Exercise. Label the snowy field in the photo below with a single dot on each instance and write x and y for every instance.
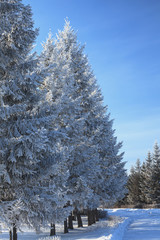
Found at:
(123, 224)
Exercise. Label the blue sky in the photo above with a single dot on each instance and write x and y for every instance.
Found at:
(123, 46)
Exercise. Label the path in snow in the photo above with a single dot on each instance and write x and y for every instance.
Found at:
(144, 229)
(140, 224)
(123, 224)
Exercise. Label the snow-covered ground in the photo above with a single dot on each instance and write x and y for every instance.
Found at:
(139, 224)
(123, 224)
(100, 230)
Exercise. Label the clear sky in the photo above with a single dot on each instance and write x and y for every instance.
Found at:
(123, 46)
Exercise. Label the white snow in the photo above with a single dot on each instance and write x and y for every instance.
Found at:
(123, 224)
(139, 224)
(101, 230)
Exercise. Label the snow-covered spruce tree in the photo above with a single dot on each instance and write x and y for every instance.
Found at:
(53, 190)
(112, 166)
(133, 185)
(24, 146)
(155, 188)
(143, 183)
(83, 164)
(68, 120)
(146, 180)
(94, 165)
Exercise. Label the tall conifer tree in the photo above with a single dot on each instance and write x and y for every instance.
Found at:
(156, 174)
(146, 182)
(134, 188)
(24, 145)
(94, 162)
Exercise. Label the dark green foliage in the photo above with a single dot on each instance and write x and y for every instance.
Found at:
(144, 180)
(155, 194)
(133, 185)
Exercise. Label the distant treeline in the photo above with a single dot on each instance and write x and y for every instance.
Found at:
(144, 182)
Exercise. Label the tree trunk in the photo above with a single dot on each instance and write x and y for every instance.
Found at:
(70, 221)
(65, 226)
(74, 214)
(10, 235)
(93, 217)
(53, 230)
(14, 232)
(89, 218)
(96, 213)
(79, 219)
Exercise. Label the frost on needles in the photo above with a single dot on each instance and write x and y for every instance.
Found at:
(26, 152)
(94, 162)
(58, 151)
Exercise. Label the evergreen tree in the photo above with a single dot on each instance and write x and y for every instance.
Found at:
(24, 145)
(94, 163)
(84, 154)
(133, 185)
(143, 183)
(68, 120)
(146, 180)
(156, 175)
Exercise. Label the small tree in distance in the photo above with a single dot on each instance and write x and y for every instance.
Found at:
(134, 190)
